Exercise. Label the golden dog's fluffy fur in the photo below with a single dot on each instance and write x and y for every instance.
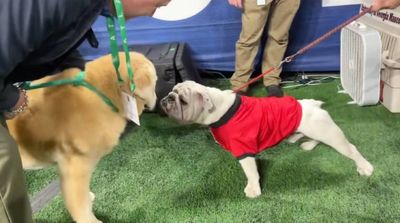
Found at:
(74, 128)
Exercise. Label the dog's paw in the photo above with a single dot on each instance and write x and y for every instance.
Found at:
(309, 145)
(295, 137)
(252, 190)
(365, 169)
(92, 196)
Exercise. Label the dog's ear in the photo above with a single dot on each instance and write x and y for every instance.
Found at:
(206, 101)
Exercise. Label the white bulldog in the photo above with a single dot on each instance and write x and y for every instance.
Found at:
(246, 126)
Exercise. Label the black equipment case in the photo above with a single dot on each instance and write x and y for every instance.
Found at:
(173, 63)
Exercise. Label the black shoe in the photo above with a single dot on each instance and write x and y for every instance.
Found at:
(274, 91)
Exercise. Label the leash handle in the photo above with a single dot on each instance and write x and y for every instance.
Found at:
(290, 58)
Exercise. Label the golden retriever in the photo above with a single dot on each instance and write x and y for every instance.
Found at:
(73, 127)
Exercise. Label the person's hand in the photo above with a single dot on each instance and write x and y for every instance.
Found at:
(236, 3)
(19, 107)
(384, 4)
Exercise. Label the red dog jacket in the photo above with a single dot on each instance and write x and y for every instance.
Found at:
(252, 125)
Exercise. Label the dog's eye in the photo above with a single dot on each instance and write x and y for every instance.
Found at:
(182, 100)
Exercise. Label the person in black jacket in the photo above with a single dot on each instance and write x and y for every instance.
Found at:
(38, 38)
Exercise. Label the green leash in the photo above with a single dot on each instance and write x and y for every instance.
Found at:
(114, 45)
(79, 80)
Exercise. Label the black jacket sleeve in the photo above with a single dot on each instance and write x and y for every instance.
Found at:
(13, 45)
(8, 97)
(24, 27)
(73, 60)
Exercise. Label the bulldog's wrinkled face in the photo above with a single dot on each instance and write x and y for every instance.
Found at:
(187, 102)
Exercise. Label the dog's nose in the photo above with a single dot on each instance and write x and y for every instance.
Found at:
(171, 97)
(164, 101)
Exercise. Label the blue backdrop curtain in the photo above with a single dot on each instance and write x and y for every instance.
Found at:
(211, 35)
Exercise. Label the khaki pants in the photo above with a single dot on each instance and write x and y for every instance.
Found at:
(275, 19)
(14, 201)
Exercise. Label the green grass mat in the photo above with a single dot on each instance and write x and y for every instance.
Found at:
(164, 172)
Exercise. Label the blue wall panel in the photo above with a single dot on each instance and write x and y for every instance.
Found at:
(212, 34)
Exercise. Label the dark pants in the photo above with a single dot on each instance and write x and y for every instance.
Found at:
(14, 200)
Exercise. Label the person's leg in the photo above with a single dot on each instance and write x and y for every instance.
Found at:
(254, 18)
(280, 19)
(14, 200)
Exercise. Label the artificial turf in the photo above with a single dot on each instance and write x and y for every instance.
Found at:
(165, 172)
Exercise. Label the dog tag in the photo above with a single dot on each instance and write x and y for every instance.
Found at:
(130, 107)
(261, 2)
